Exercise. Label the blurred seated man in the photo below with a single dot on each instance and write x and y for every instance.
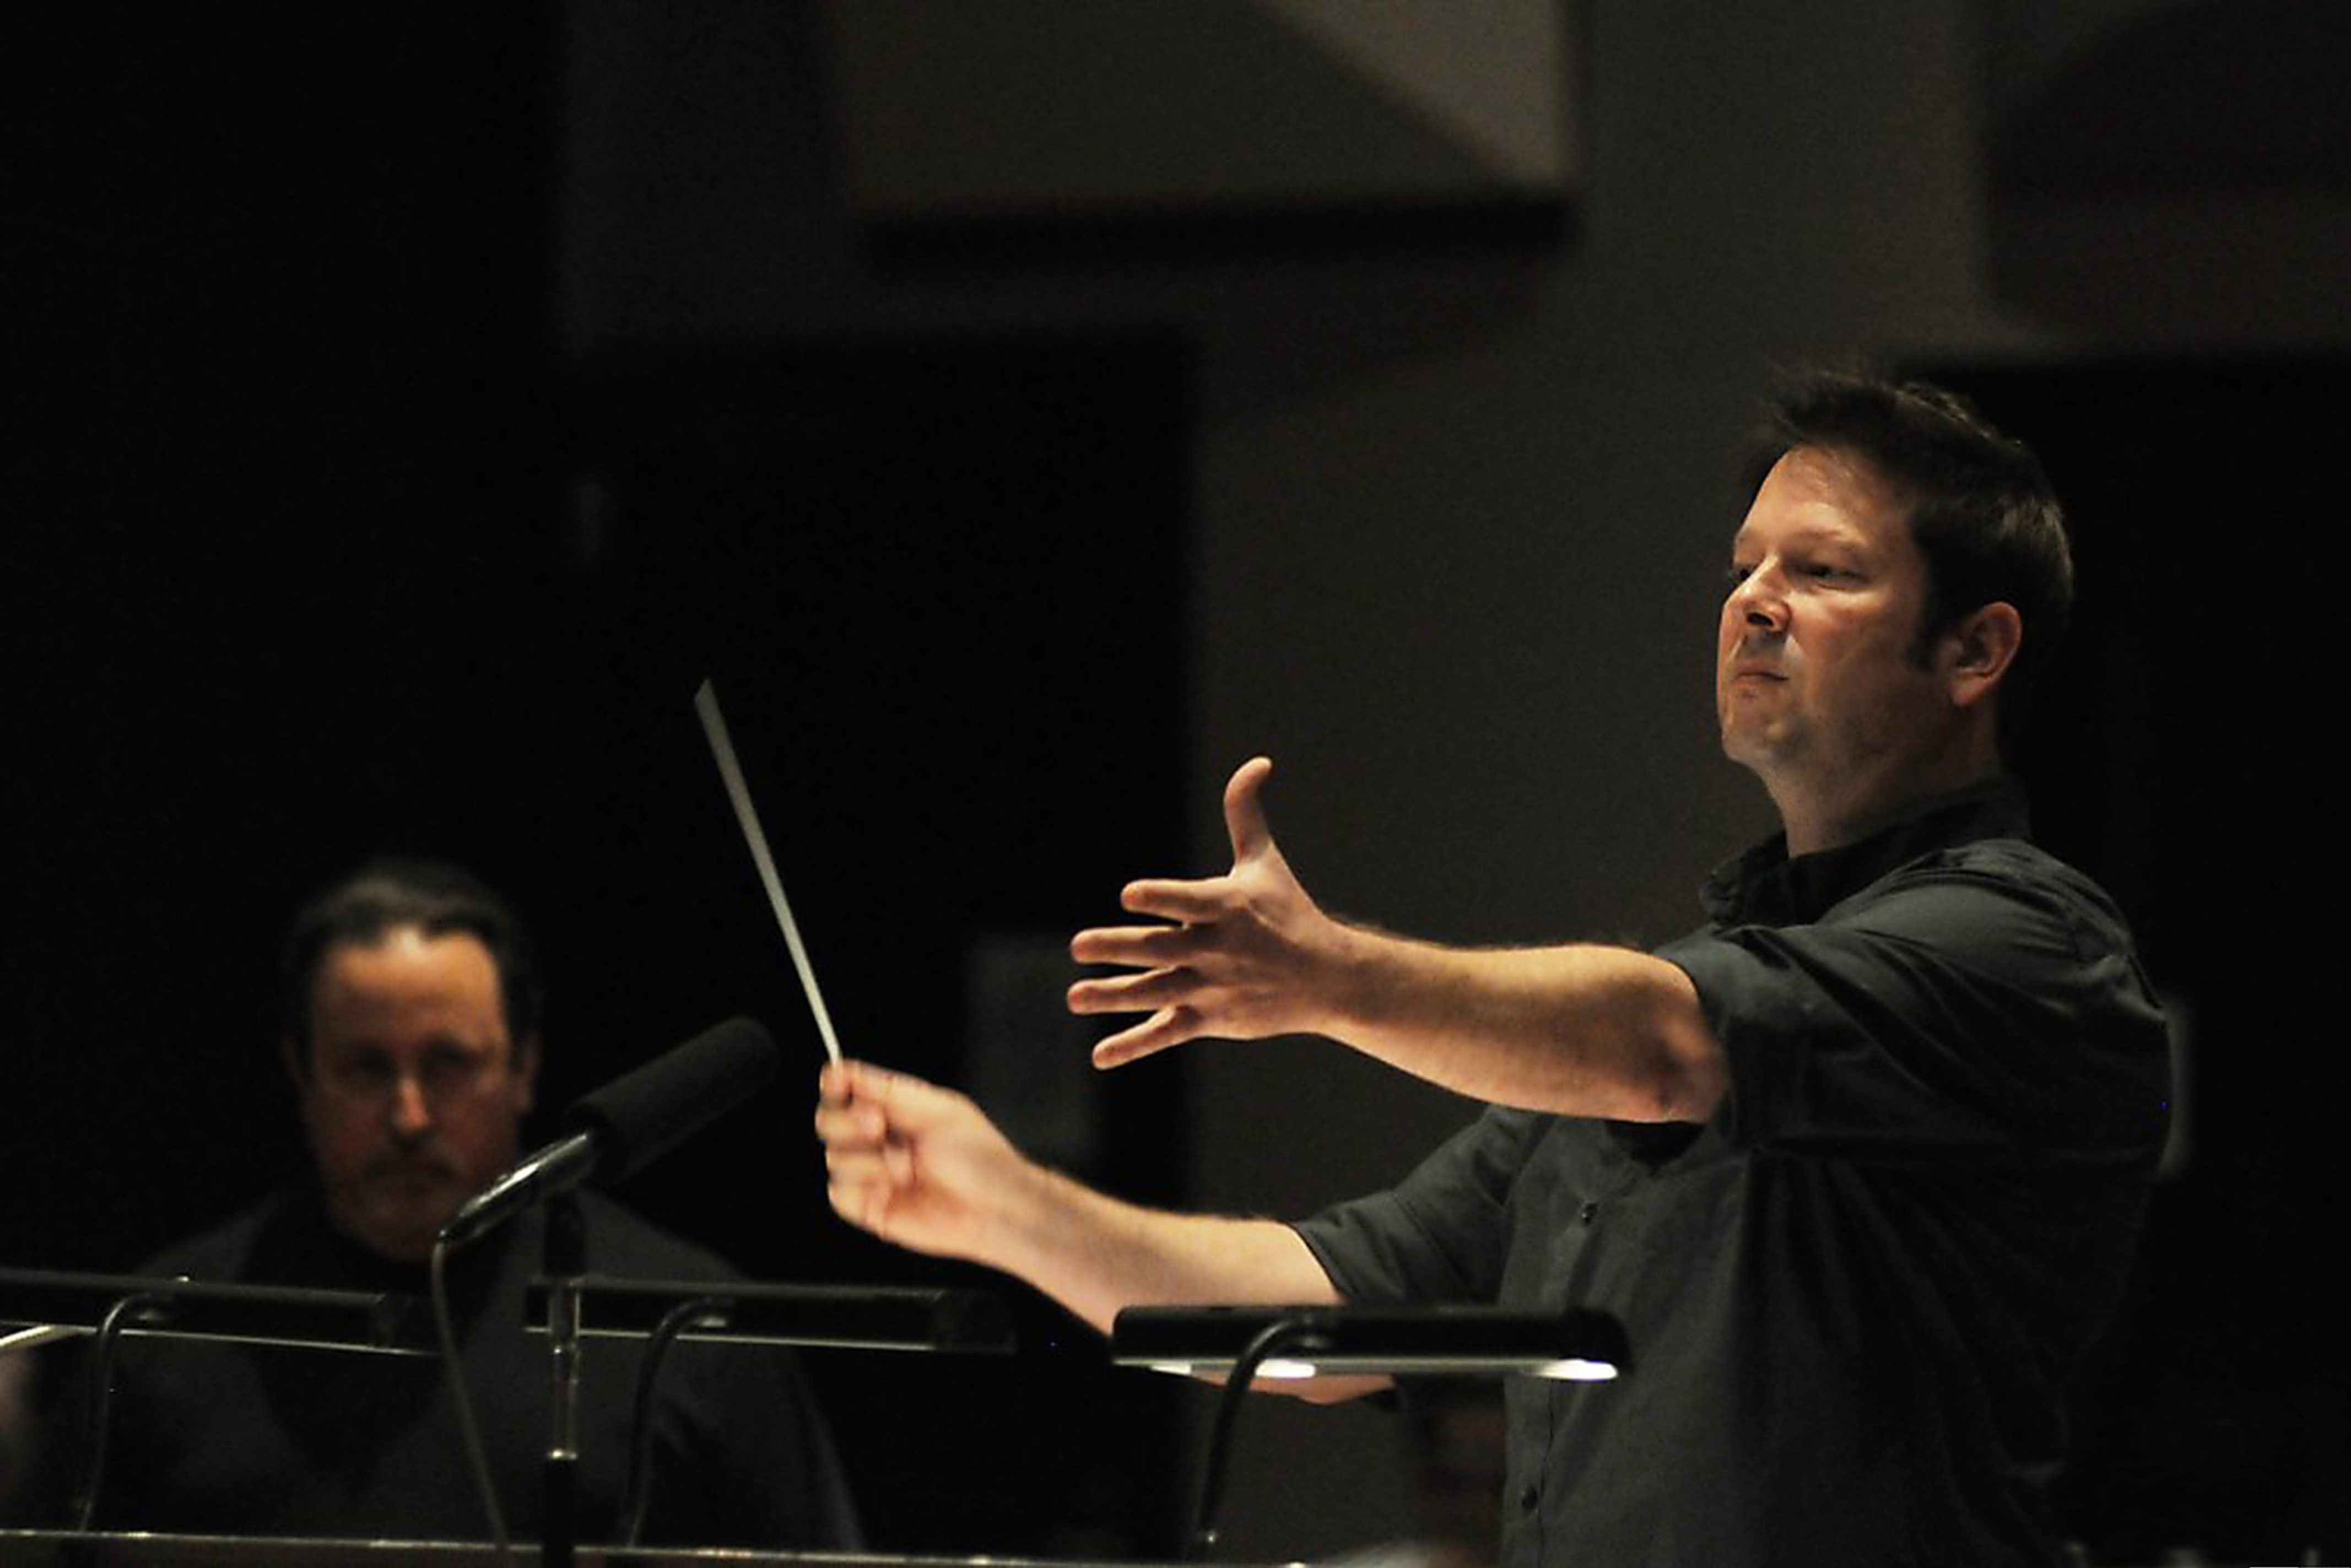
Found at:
(412, 1013)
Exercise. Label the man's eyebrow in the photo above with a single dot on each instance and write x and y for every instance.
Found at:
(1811, 534)
(351, 1045)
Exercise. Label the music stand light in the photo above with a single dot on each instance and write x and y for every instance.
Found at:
(1242, 1344)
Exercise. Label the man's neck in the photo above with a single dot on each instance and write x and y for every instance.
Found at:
(1827, 820)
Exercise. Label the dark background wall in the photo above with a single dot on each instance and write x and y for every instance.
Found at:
(314, 553)
(407, 409)
(2176, 756)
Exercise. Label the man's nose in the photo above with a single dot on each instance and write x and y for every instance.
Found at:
(1758, 601)
(411, 1110)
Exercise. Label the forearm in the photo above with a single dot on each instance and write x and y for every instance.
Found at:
(1579, 1030)
(1096, 1254)
(922, 1167)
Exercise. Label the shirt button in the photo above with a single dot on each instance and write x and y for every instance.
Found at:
(1529, 1496)
(1588, 1213)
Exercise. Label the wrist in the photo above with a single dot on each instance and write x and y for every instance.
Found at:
(1031, 1211)
(1364, 971)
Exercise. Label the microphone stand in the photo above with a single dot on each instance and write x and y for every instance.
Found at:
(564, 1261)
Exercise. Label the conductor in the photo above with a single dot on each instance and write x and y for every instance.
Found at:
(1859, 1164)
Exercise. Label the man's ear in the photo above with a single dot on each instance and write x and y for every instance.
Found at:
(1979, 650)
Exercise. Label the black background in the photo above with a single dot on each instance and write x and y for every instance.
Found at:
(310, 554)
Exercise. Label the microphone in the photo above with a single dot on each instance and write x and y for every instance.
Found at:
(631, 1121)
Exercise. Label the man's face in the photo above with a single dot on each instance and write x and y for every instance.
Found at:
(413, 1095)
(1819, 686)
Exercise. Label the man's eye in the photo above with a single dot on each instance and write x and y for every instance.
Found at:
(444, 1066)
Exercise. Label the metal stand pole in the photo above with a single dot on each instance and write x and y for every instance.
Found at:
(565, 1263)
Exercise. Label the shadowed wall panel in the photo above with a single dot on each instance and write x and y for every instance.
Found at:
(1129, 105)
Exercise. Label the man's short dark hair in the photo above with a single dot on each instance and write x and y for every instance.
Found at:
(1982, 512)
(436, 898)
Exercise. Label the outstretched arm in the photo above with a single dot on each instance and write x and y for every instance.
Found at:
(922, 1167)
(1579, 1030)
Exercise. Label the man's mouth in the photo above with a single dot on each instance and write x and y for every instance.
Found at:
(410, 1174)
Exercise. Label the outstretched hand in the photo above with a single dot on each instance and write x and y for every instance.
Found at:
(1246, 955)
(913, 1163)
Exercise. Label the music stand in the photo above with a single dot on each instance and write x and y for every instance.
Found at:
(1241, 1343)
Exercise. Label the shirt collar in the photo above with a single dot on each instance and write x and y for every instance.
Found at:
(300, 1244)
(1765, 886)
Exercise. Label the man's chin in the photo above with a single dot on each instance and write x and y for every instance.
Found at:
(402, 1247)
(402, 1225)
(1743, 748)
(1754, 740)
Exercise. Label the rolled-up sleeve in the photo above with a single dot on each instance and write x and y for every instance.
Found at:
(1443, 1235)
(1980, 1002)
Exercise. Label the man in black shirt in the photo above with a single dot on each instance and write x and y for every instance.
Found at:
(1858, 1165)
(412, 1009)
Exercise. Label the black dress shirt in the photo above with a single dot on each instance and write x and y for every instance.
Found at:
(236, 1439)
(1854, 1296)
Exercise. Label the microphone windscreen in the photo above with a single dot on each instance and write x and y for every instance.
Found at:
(641, 1115)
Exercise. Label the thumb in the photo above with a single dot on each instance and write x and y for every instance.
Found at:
(1245, 822)
(906, 1104)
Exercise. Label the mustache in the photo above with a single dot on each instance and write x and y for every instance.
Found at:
(424, 1158)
